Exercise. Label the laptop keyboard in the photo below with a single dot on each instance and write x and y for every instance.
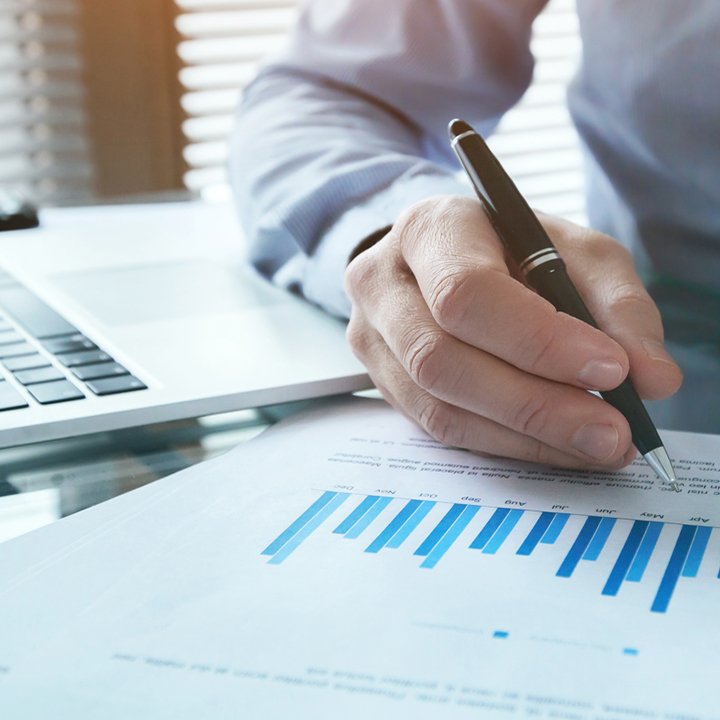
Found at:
(51, 360)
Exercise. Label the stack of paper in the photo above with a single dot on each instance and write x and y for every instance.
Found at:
(344, 565)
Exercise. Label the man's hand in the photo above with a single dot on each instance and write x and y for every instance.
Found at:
(454, 341)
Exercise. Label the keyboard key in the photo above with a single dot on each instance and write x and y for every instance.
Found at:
(70, 343)
(38, 318)
(5, 325)
(83, 358)
(38, 375)
(10, 398)
(54, 392)
(111, 386)
(101, 370)
(26, 362)
(16, 350)
(8, 337)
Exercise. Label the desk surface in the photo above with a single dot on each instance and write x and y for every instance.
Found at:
(44, 482)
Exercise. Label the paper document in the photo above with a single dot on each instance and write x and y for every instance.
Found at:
(344, 565)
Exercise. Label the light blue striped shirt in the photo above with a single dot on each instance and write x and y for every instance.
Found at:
(347, 127)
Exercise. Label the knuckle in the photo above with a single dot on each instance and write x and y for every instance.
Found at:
(423, 359)
(446, 302)
(437, 419)
(358, 337)
(530, 414)
(627, 296)
(415, 222)
(360, 275)
(534, 350)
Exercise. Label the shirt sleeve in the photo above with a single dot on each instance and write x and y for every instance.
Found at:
(347, 126)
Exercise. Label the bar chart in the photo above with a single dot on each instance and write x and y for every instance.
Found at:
(498, 530)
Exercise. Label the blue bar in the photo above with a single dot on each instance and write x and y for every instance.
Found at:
(393, 526)
(599, 539)
(644, 553)
(502, 532)
(440, 529)
(578, 547)
(630, 651)
(625, 558)
(368, 517)
(412, 522)
(697, 550)
(445, 543)
(674, 568)
(495, 521)
(501, 634)
(536, 534)
(356, 514)
(325, 512)
(556, 527)
(308, 515)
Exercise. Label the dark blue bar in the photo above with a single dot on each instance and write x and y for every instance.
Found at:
(393, 526)
(579, 546)
(556, 527)
(599, 539)
(496, 541)
(452, 534)
(697, 550)
(308, 515)
(308, 528)
(412, 522)
(536, 534)
(440, 529)
(488, 531)
(644, 553)
(356, 514)
(674, 568)
(625, 558)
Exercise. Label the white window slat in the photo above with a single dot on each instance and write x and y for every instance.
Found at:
(223, 40)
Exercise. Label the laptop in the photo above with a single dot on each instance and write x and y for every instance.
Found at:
(120, 316)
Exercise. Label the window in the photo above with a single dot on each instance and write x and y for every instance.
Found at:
(224, 39)
(43, 131)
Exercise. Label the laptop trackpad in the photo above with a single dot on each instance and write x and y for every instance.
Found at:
(136, 294)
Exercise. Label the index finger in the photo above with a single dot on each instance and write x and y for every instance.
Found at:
(460, 267)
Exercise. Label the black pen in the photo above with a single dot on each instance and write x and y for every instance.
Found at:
(544, 270)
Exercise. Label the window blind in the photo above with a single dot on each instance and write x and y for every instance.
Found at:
(43, 139)
(223, 40)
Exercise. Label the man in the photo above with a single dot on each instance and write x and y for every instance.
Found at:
(341, 152)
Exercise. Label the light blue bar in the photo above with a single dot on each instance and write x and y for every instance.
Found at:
(490, 528)
(367, 518)
(502, 532)
(356, 514)
(599, 539)
(308, 528)
(393, 526)
(412, 522)
(556, 527)
(626, 558)
(452, 534)
(697, 550)
(440, 529)
(644, 553)
(308, 515)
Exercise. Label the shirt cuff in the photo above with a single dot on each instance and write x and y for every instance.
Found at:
(323, 276)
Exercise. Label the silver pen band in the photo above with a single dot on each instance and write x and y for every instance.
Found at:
(538, 258)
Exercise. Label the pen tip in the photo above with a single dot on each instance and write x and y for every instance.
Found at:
(458, 127)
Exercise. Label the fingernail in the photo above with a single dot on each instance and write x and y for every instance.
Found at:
(601, 374)
(597, 441)
(656, 351)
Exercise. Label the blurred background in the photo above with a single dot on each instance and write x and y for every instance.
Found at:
(116, 100)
